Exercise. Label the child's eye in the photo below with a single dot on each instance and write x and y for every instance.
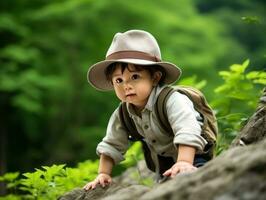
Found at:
(135, 76)
(118, 80)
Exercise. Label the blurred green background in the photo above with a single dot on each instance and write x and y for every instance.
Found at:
(50, 114)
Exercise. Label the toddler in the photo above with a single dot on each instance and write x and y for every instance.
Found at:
(133, 68)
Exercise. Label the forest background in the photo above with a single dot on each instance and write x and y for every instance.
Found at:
(49, 112)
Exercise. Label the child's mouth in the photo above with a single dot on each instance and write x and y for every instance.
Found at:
(130, 95)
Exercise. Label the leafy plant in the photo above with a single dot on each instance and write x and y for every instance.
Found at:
(133, 155)
(235, 100)
(49, 182)
(192, 80)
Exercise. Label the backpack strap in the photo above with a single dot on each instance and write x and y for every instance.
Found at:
(133, 135)
(160, 109)
(128, 123)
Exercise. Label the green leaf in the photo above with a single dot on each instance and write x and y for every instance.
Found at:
(240, 69)
(237, 68)
(253, 75)
(192, 81)
(51, 172)
(9, 177)
(11, 197)
(19, 53)
(224, 74)
(260, 81)
(245, 64)
(222, 88)
(26, 103)
(258, 77)
(239, 95)
(8, 22)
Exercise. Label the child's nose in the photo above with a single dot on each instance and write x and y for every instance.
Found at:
(127, 85)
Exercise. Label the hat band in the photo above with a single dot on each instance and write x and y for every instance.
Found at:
(132, 54)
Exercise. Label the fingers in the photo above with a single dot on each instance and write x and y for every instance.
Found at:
(172, 172)
(179, 168)
(86, 187)
(102, 180)
(175, 171)
(91, 185)
(109, 180)
(167, 172)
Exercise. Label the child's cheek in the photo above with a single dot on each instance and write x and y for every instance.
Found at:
(119, 95)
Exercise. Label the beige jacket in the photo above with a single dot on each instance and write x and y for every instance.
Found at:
(184, 120)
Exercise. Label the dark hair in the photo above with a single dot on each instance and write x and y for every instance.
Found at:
(151, 69)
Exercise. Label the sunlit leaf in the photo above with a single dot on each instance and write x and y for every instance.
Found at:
(11, 176)
(224, 74)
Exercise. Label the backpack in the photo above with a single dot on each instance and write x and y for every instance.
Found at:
(209, 127)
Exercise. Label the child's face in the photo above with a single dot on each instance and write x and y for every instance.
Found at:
(133, 86)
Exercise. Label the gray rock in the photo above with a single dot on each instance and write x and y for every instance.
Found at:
(113, 192)
(238, 173)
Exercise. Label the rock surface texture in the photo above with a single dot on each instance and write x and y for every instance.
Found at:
(238, 173)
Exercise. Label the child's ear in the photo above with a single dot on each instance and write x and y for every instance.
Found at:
(157, 77)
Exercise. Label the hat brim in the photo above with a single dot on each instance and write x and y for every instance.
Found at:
(97, 78)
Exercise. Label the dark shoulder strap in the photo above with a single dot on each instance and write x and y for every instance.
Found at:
(160, 109)
(128, 123)
(133, 134)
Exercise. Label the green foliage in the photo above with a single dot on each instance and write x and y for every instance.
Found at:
(136, 175)
(193, 81)
(239, 86)
(11, 197)
(133, 155)
(43, 181)
(11, 179)
(49, 182)
(236, 99)
(251, 19)
(29, 86)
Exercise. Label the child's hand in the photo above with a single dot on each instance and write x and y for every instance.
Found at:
(179, 167)
(102, 179)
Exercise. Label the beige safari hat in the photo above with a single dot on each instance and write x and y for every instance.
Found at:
(134, 47)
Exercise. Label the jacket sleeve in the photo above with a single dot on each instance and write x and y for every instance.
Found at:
(115, 142)
(185, 121)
